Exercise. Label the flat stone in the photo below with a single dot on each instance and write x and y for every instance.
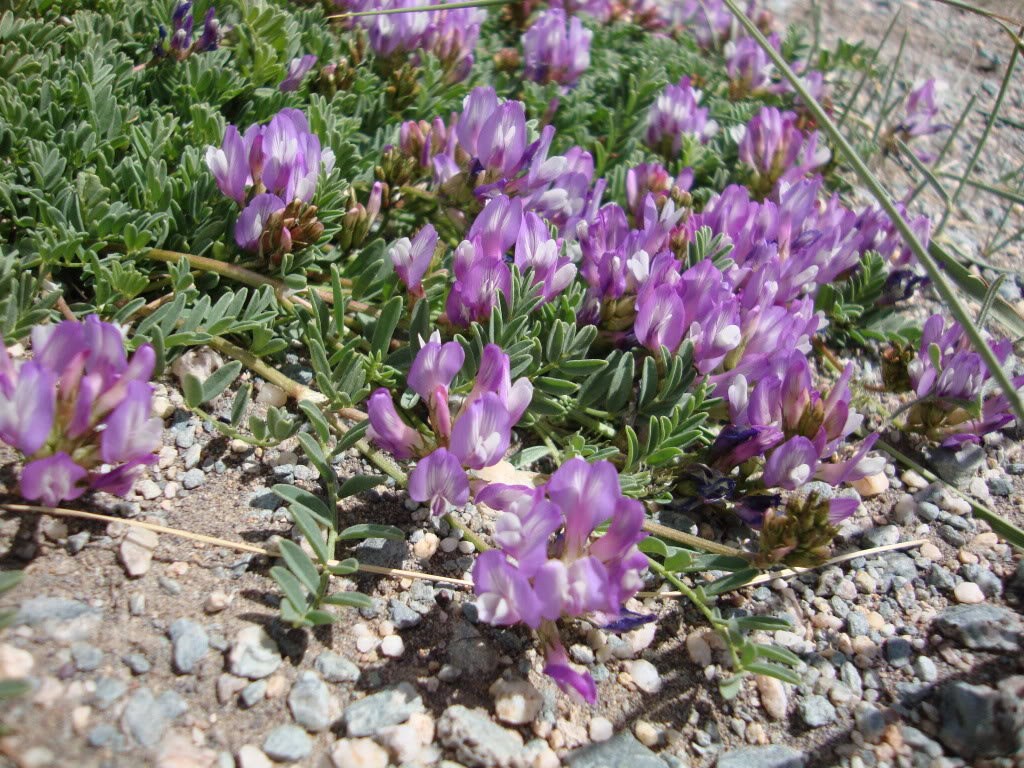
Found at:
(402, 616)
(469, 653)
(336, 669)
(956, 467)
(870, 723)
(287, 744)
(981, 627)
(379, 710)
(192, 479)
(310, 702)
(480, 743)
(62, 620)
(108, 690)
(771, 756)
(136, 551)
(87, 657)
(253, 693)
(816, 711)
(254, 654)
(970, 721)
(880, 537)
(622, 749)
(144, 718)
(189, 643)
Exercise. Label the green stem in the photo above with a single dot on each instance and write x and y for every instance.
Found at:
(692, 541)
(383, 463)
(942, 285)
(292, 388)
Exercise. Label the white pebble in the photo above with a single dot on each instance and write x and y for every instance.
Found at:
(392, 646)
(466, 547)
(968, 592)
(601, 729)
(366, 644)
(645, 675)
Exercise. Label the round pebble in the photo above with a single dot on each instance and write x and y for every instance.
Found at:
(601, 729)
(392, 646)
(968, 592)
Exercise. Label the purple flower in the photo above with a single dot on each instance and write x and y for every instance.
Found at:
(674, 114)
(496, 228)
(27, 404)
(181, 45)
(297, 70)
(502, 140)
(230, 165)
(412, 259)
(435, 366)
(791, 464)
(494, 377)
(653, 179)
(440, 479)
(553, 52)
(504, 595)
(920, 118)
(586, 494)
(777, 149)
(482, 431)
(750, 70)
(558, 667)
(53, 479)
(387, 428)
(252, 221)
(475, 293)
(536, 250)
(130, 431)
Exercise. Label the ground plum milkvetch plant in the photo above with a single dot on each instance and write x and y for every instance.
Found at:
(606, 250)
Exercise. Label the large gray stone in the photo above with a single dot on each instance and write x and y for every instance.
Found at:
(772, 756)
(389, 707)
(309, 702)
(144, 718)
(189, 643)
(977, 721)
(470, 653)
(956, 467)
(477, 741)
(981, 627)
(622, 749)
(287, 744)
(63, 620)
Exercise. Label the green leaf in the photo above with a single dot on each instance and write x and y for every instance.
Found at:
(776, 653)
(301, 565)
(307, 500)
(240, 403)
(315, 454)
(777, 671)
(320, 618)
(192, 388)
(350, 600)
(347, 566)
(351, 437)
(10, 688)
(730, 582)
(384, 329)
(309, 528)
(372, 531)
(10, 579)
(359, 483)
(766, 623)
(220, 379)
(291, 587)
(529, 456)
(730, 687)
(316, 420)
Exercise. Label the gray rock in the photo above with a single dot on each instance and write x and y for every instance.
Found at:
(264, 499)
(106, 735)
(389, 707)
(469, 653)
(192, 479)
(144, 718)
(880, 537)
(402, 616)
(336, 669)
(925, 669)
(137, 663)
(189, 644)
(62, 620)
(87, 657)
(773, 756)
(989, 583)
(621, 749)
(927, 511)
(309, 702)
(108, 690)
(982, 627)
(253, 693)
(254, 654)
(172, 705)
(817, 711)
(956, 467)
(973, 722)
(287, 744)
(898, 651)
(870, 723)
(1016, 584)
(477, 741)
(857, 624)
(76, 542)
(1000, 486)
(383, 552)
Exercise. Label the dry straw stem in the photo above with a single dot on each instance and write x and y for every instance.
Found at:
(788, 573)
(214, 541)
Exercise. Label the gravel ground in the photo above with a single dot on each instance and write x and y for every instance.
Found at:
(147, 649)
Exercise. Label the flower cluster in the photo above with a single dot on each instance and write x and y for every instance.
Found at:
(750, 70)
(674, 114)
(468, 433)
(950, 379)
(79, 411)
(449, 34)
(271, 171)
(485, 151)
(777, 150)
(556, 49)
(181, 44)
(549, 565)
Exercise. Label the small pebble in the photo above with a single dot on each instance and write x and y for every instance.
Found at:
(392, 646)
(601, 729)
(968, 592)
